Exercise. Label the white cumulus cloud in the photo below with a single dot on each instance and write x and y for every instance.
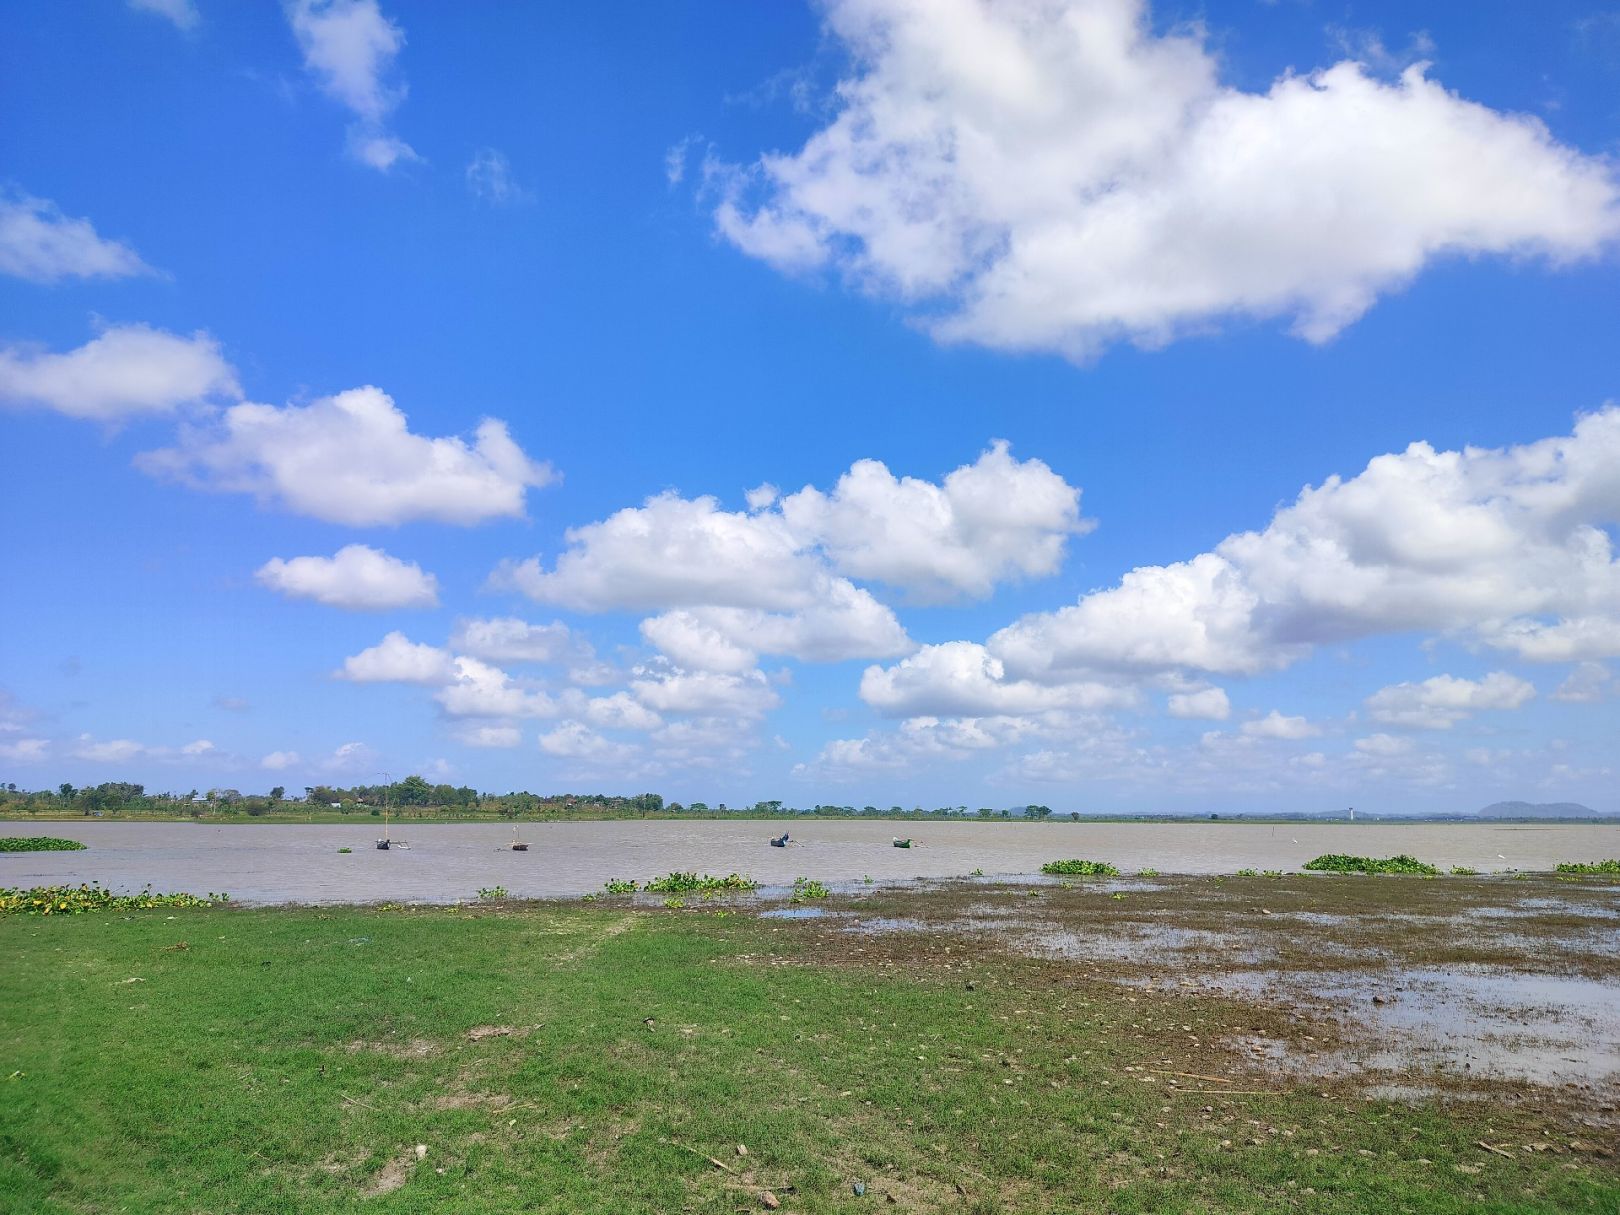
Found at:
(356, 576)
(1057, 176)
(1441, 702)
(1208, 704)
(42, 245)
(398, 659)
(352, 459)
(125, 371)
(349, 46)
(1276, 725)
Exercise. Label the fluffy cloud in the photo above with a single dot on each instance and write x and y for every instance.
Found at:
(1441, 702)
(127, 370)
(705, 692)
(1209, 704)
(280, 761)
(1586, 684)
(508, 639)
(477, 689)
(730, 586)
(352, 459)
(962, 678)
(993, 520)
(1057, 176)
(489, 736)
(25, 750)
(356, 576)
(349, 47)
(1275, 725)
(577, 741)
(40, 244)
(397, 659)
(110, 750)
(1483, 542)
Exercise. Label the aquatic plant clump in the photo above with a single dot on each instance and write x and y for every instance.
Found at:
(620, 886)
(695, 883)
(1081, 868)
(38, 843)
(1609, 867)
(808, 888)
(73, 900)
(1338, 862)
(492, 892)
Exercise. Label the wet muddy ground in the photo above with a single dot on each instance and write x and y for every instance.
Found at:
(1498, 989)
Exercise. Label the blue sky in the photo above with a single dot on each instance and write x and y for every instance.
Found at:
(384, 386)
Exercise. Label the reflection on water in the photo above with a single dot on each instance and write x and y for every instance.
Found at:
(263, 863)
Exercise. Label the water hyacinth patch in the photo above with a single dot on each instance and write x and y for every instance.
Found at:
(1081, 868)
(38, 843)
(73, 900)
(808, 888)
(694, 883)
(1609, 867)
(1338, 862)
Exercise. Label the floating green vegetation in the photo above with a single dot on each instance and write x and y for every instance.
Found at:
(71, 900)
(620, 886)
(38, 843)
(808, 888)
(1338, 862)
(1610, 866)
(1147, 873)
(699, 883)
(1251, 872)
(1081, 868)
(977, 873)
(1271, 873)
(492, 892)
(1463, 871)
(345, 849)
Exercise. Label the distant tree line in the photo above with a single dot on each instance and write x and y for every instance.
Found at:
(417, 794)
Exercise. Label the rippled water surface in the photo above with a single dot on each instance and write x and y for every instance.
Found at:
(301, 863)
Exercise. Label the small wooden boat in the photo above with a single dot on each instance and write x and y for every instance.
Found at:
(780, 841)
(517, 844)
(385, 843)
(902, 843)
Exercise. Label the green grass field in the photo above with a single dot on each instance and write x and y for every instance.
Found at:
(602, 1058)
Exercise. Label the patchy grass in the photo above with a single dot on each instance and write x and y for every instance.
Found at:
(577, 1059)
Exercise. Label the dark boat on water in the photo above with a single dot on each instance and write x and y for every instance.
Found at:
(517, 844)
(902, 843)
(780, 841)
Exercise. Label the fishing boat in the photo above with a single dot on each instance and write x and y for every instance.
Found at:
(517, 844)
(385, 843)
(902, 843)
(780, 841)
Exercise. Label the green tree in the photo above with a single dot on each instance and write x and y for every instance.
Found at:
(279, 792)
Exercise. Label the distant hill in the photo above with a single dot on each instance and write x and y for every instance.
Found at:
(1538, 810)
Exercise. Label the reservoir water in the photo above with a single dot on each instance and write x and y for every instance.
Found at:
(297, 863)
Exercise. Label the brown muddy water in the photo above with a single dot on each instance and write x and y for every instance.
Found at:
(296, 863)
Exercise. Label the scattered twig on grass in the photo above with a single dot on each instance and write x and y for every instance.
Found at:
(719, 1164)
(356, 1101)
(1499, 1151)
